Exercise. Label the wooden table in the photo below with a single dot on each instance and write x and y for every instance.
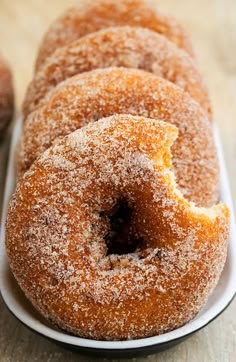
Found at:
(212, 26)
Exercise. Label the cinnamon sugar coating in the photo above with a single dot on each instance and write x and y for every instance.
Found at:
(88, 16)
(119, 46)
(6, 96)
(57, 224)
(90, 96)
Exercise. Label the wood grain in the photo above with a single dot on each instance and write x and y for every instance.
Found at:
(212, 26)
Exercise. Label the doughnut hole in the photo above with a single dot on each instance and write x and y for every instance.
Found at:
(121, 237)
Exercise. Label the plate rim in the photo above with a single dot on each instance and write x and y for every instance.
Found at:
(119, 349)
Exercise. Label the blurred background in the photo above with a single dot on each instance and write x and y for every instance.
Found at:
(212, 26)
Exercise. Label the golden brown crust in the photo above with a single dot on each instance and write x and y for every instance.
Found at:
(6, 96)
(99, 93)
(119, 46)
(57, 223)
(89, 16)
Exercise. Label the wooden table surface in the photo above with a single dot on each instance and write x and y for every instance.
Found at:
(212, 26)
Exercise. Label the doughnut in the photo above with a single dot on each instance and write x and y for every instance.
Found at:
(60, 217)
(99, 93)
(6, 96)
(119, 46)
(89, 16)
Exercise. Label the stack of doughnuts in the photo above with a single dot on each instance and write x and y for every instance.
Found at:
(6, 96)
(115, 230)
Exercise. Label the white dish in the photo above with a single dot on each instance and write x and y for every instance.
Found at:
(21, 308)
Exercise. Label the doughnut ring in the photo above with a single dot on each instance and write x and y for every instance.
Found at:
(6, 96)
(90, 96)
(89, 16)
(58, 222)
(119, 46)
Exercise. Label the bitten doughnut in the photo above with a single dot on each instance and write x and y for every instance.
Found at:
(90, 96)
(59, 220)
(6, 96)
(119, 46)
(89, 16)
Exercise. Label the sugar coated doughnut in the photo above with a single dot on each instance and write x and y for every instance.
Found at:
(59, 221)
(119, 46)
(89, 16)
(99, 93)
(6, 96)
